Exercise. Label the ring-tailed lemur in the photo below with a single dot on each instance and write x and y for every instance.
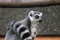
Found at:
(25, 29)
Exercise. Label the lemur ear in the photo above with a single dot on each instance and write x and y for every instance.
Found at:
(41, 14)
(31, 13)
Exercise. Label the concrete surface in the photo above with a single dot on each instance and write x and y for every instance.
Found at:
(49, 26)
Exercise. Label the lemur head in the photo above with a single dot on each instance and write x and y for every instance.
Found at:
(35, 16)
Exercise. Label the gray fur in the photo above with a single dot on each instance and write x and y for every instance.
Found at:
(13, 34)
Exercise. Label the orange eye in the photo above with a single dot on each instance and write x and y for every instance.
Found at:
(36, 16)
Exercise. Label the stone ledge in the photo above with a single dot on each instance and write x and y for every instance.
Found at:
(27, 3)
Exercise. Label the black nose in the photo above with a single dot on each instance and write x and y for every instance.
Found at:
(36, 16)
(40, 20)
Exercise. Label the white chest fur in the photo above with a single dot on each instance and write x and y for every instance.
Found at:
(33, 29)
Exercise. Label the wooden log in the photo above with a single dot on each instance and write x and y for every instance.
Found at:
(17, 3)
(47, 38)
(41, 38)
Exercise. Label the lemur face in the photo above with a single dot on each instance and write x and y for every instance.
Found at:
(35, 16)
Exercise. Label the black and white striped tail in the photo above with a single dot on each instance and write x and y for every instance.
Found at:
(22, 31)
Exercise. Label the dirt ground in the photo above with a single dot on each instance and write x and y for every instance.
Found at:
(41, 38)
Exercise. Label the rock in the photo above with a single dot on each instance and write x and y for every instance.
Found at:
(49, 26)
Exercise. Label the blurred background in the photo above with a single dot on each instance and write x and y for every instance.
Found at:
(18, 10)
(50, 24)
